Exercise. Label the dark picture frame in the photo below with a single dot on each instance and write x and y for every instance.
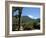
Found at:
(7, 3)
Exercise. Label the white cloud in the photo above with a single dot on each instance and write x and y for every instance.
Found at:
(32, 17)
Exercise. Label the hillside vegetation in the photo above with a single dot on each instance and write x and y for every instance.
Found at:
(26, 23)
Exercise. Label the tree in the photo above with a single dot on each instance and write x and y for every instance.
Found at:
(19, 14)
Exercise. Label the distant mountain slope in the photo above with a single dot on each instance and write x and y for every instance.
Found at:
(24, 19)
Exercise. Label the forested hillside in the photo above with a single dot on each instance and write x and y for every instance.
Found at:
(26, 23)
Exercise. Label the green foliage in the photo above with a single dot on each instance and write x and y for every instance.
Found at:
(29, 24)
(26, 22)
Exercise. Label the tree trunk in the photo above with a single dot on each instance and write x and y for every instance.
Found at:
(20, 11)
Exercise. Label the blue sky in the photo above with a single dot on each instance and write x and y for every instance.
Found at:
(31, 12)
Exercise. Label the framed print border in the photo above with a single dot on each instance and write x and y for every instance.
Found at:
(7, 3)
